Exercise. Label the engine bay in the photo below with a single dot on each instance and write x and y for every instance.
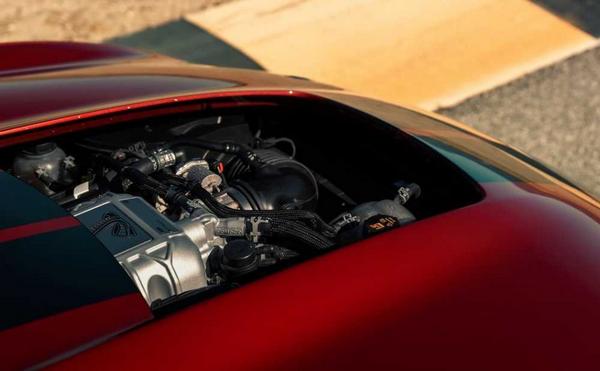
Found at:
(195, 201)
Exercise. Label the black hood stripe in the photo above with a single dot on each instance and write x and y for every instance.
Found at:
(49, 262)
(23, 204)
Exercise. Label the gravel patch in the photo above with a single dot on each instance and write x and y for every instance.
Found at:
(88, 20)
(552, 114)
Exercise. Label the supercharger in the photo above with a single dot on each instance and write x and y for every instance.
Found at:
(162, 257)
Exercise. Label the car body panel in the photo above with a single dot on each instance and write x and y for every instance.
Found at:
(50, 339)
(20, 58)
(37, 97)
(61, 289)
(483, 158)
(498, 285)
(507, 283)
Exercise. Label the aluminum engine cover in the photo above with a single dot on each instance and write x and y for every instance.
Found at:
(158, 256)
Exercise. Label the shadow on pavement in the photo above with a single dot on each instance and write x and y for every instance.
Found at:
(584, 14)
(183, 40)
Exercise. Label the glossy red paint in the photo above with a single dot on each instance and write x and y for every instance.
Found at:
(507, 283)
(28, 57)
(77, 122)
(48, 339)
(499, 285)
(45, 226)
(38, 96)
(34, 98)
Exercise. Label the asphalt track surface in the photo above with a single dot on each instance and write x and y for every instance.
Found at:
(552, 115)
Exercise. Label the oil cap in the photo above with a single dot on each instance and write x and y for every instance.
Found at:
(239, 257)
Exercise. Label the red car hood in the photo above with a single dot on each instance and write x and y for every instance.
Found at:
(65, 79)
(510, 282)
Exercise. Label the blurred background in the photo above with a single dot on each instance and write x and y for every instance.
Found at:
(526, 72)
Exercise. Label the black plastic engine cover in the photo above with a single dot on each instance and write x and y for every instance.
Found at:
(282, 183)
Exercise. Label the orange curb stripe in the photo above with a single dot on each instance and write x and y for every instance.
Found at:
(424, 53)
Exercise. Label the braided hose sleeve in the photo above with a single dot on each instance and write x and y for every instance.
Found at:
(301, 233)
(223, 211)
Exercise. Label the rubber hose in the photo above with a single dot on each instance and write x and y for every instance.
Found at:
(224, 211)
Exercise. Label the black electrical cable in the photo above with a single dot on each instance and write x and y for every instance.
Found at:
(244, 153)
(300, 232)
(104, 148)
(283, 223)
(223, 211)
(277, 252)
(224, 147)
(138, 178)
(170, 178)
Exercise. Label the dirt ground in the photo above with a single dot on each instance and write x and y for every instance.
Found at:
(88, 20)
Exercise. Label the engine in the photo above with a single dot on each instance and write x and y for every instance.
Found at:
(188, 214)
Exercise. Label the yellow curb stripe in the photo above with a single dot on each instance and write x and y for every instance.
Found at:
(426, 53)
